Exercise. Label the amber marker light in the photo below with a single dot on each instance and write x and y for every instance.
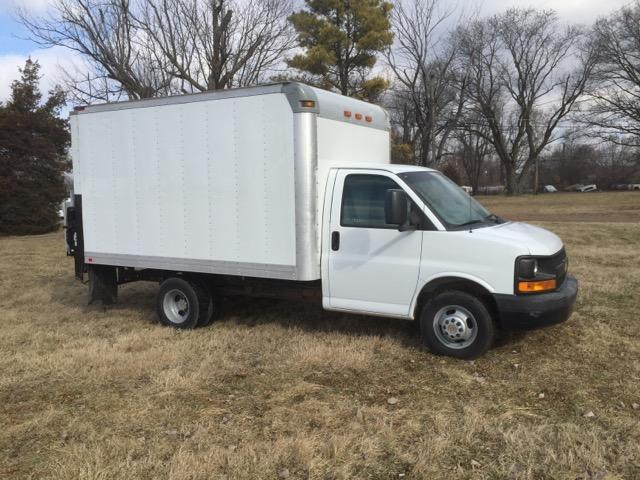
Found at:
(347, 113)
(369, 118)
(358, 116)
(308, 103)
(536, 286)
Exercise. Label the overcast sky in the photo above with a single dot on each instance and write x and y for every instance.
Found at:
(14, 49)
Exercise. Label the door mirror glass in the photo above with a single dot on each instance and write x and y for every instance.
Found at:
(396, 207)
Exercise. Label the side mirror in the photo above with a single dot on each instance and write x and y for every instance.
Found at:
(396, 207)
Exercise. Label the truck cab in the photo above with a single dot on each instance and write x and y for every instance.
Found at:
(406, 242)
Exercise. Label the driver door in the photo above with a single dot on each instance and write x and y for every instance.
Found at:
(372, 266)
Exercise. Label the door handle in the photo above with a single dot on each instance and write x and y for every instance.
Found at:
(335, 241)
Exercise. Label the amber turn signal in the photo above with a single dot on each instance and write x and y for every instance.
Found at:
(308, 103)
(536, 286)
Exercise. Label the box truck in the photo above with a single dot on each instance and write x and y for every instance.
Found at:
(287, 191)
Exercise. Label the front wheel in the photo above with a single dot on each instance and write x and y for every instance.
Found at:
(457, 324)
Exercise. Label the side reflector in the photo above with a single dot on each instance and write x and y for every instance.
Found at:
(308, 103)
(539, 286)
(369, 118)
(358, 116)
(347, 113)
(78, 109)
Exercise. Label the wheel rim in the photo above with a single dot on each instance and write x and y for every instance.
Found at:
(455, 327)
(176, 306)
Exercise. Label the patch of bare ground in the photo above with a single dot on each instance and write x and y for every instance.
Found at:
(568, 207)
(276, 389)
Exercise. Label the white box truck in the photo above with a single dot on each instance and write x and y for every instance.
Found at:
(287, 191)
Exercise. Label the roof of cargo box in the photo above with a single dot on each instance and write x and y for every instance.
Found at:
(301, 97)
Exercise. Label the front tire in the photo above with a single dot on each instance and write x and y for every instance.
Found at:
(183, 304)
(457, 324)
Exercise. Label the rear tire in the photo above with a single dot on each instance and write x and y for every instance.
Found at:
(183, 304)
(457, 324)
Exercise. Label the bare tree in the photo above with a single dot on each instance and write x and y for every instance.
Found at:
(614, 107)
(430, 91)
(146, 48)
(403, 124)
(215, 44)
(525, 75)
(104, 34)
(474, 151)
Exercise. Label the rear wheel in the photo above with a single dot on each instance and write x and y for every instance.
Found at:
(184, 304)
(457, 324)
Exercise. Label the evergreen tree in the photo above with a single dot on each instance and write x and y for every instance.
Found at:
(341, 39)
(33, 146)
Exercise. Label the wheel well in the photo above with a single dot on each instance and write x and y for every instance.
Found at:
(455, 283)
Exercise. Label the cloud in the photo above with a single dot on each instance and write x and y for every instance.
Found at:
(35, 6)
(51, 61)
(575, 11)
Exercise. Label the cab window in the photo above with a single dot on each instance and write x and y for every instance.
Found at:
(363, 199)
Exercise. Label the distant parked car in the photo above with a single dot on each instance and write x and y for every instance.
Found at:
(581, 188)
(588, 188)
(467, 189)
(625, 186)
(618, 186)
(549, 189)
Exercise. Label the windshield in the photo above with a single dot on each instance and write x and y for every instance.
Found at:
(453, 206)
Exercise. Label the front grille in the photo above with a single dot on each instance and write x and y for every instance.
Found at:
(556, 264)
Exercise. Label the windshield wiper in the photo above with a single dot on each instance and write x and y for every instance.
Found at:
(471, 222)
(494, 218)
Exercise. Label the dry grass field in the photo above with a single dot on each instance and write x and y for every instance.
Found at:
(281, 390)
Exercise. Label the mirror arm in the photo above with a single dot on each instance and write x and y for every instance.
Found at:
(407, 227)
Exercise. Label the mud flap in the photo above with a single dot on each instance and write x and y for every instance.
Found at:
(75, 236)
(103, 284)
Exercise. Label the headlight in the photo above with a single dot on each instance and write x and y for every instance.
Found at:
(527, 268)
(531, 279)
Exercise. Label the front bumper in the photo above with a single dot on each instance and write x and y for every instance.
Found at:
(531, 311)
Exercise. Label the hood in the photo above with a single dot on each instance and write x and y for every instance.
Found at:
(537, 240)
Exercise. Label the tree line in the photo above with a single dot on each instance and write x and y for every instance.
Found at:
(461, 88)
(466, 93)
